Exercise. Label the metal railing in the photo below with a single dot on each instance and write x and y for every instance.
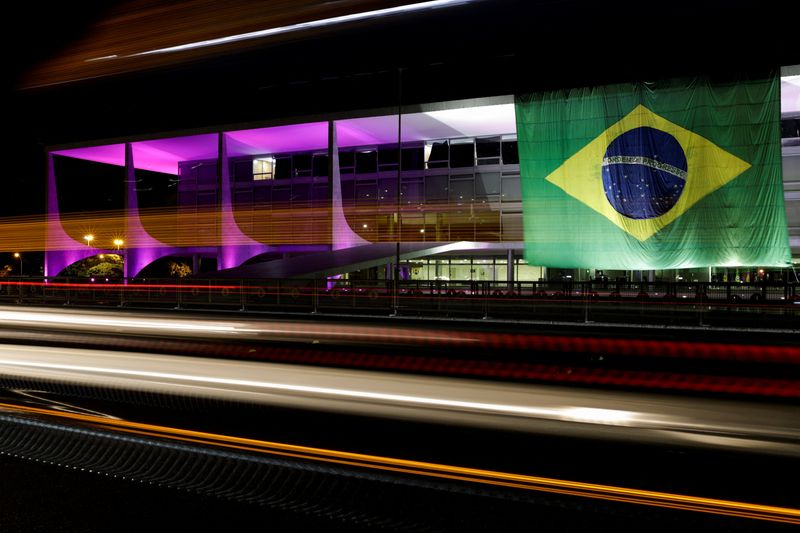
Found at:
(775, 305)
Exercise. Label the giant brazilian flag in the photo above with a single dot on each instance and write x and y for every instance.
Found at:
(671, 174)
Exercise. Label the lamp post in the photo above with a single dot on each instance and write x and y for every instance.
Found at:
(118, 243)
(17, 255)
(88, 238)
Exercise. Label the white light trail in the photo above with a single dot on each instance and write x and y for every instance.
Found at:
(320, 23)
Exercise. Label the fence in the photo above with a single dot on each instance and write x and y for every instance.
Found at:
(772, 305)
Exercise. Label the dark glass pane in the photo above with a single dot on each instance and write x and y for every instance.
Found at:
(346, 159)
(261, 195)
(412, 192)
(790, 128)
(462, 155)
(348, 190)
(461, 191)
(283, 168)
(187, 198)
(387, 191)
(511, 190)
(155, 189)
(207, 173)
(387, 155)
(487, 184)
(414, 158)
(243, 171)
(436, 188)
(366, 192)
(301, 165)
(187, 175)
(207, 198)
(487, 148)
(320, 165)
(281, 195)
(243, 198)
(366, 162)
(301, 193)
(510, 154)
(439, 156)
(319, 194)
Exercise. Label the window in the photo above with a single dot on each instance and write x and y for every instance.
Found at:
(366, 192)
(437, 154)
(281, 196)
(488, 151)
(301, 194)
(348, 190)
(347, 161)
(511, 189)
(319, 194)
(436, 188)
(242, 171)
(387, 191)
(283, 168)
(206, 172)
(487, 184)
(366, 162)
(263, 168)
(413, 158)
(412, 192)
(462, 154)
(387, 158)
(510, 154)
(206, 198)
(461, 191)
(301, 165)
(320, 165)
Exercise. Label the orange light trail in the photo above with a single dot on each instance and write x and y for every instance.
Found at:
(276, 223)
(504, 479)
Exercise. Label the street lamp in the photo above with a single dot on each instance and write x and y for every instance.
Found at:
(88, 238)
(118, 243)
(17, 255)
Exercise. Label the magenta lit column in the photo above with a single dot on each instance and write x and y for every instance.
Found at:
(235, 247)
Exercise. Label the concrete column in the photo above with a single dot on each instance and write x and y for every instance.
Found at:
(235, 247)
(140, 247)
(342, 235)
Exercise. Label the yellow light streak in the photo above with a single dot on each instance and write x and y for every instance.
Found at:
(505, 479)
(269, 224)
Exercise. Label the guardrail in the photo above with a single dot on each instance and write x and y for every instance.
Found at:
(775, 305)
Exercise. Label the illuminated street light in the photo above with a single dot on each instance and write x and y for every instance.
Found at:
(17, 255)
(88, 238)
(118, 243)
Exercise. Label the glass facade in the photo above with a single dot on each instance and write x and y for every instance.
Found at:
(451, 177)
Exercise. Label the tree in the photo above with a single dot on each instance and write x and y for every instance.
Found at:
(179, 270)
(101, 266)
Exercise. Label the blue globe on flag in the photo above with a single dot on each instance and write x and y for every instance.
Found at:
(644, 173)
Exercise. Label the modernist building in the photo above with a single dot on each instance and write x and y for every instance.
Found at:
(333, 197)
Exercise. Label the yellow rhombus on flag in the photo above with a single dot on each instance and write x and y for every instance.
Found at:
(709, 167)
